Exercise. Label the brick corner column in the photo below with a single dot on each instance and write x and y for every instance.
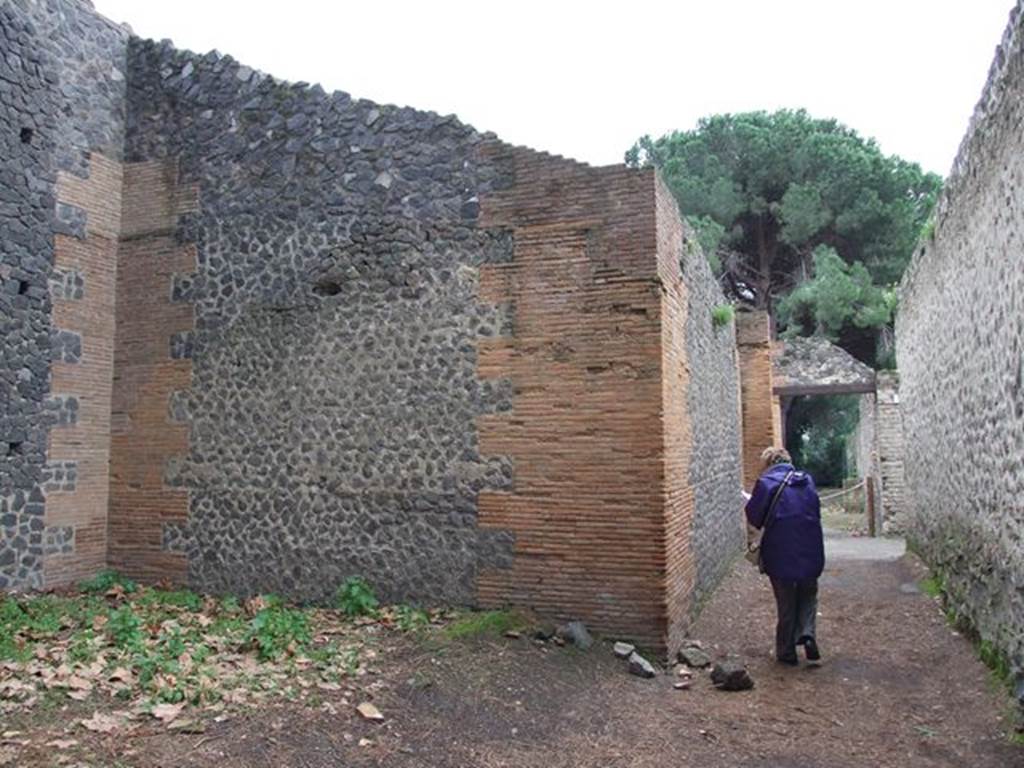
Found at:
(585, 432)
(76, 476)
(754, 343)
(153, 371)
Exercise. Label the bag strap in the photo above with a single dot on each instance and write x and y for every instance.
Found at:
(769, 516)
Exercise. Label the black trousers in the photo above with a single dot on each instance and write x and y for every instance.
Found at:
(797, 606)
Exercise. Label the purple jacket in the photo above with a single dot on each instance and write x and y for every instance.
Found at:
(793, 549)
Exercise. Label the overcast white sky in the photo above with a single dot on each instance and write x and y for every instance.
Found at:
(586, 79)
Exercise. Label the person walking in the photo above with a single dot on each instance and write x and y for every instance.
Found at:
(784, 507)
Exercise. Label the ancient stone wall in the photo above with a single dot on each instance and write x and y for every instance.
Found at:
(329, 421)
(712, 408)
(62, 89)
(861, 445)
(888, 425)
(298, 337)
(417, 355)
(878, 449)
(960, 349)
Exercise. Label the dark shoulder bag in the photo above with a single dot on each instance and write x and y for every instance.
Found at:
(769, 518)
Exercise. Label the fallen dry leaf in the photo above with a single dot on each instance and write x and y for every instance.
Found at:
(78, 683)
(167, 712)
(369, 711)
(254, 605)
(187, 726)
(62, 743)
(100, 723)
(121, 675)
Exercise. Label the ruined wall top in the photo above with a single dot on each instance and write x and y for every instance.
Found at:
(977, 140)
(959, 342)
(809, 365)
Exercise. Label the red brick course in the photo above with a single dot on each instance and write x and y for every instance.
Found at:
(680, 575)
(144, 438)
(87, 442)
(596, 427)
(761, 418)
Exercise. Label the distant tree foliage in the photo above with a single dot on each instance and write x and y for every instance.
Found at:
(841, 303)
(766, 191)
(817, 429)
(809, 220)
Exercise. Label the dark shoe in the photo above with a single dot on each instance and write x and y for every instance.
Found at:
(788, 660)
(811, 649)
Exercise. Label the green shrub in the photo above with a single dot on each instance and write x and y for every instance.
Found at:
(82, 649)
(48, 614)
(125, 628)
(410, 619)
(722, 315)
(106, 580)
(275, 631)
(182, 598)
(356, 598)
(928, 229)
(993, 658)
(12, 619)
(932, 586)
(230, 604)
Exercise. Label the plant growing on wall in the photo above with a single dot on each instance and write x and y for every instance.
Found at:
(722, 315)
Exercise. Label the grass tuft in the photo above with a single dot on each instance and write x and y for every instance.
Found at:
(485, 623)
(106, 580)
(931, 586)
(722, 315)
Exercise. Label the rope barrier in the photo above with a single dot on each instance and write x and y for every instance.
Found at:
(837, 494)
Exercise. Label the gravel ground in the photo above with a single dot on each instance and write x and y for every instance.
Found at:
(898, 688)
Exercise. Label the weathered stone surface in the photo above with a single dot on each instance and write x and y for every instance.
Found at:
(575, 632)
(640, 666)
(878, 444)
(334, 389)
(623, 650)
(545, 631)
(805, 365)
(694, 657)
(960, 352)
(60, 476)
(715, 472)
(59, 100)
(58, 540)
(731, 676)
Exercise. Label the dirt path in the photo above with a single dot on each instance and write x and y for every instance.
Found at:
(898, 688)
